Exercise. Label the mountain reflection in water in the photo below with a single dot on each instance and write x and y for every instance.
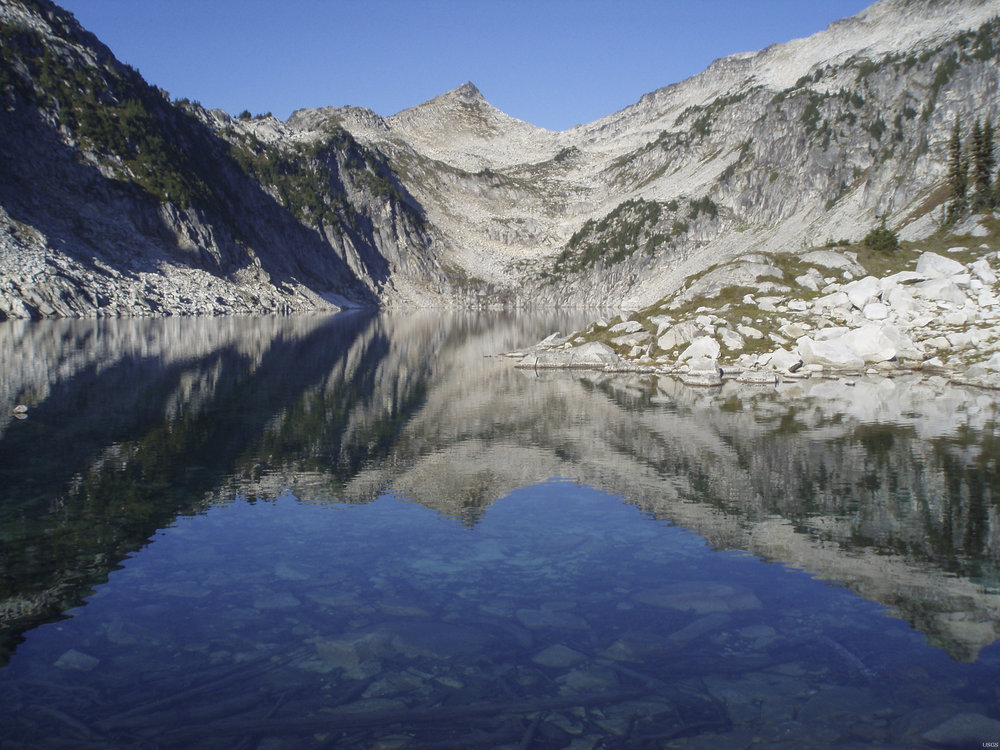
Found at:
(885, 487)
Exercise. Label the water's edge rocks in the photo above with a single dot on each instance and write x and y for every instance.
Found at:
(943, 317)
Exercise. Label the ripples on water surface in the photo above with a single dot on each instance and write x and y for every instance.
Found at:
(364, 532)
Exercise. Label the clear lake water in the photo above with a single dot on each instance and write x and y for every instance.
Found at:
(369, 531)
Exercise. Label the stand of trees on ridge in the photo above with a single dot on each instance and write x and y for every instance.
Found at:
(972, 185)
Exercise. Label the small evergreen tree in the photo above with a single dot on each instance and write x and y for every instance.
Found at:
(882, 239)
(958, 175)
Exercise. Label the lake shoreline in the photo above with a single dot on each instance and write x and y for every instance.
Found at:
(747, 320)
(762, 377)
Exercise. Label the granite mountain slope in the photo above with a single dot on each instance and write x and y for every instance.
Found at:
(766, 151)
(116, 200)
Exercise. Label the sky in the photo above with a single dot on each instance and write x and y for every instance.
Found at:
(553, 63)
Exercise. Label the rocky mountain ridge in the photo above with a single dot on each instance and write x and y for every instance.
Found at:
(118, 201)
(786, 147)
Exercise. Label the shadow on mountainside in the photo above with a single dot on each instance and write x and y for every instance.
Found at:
(120, 181)
(96, 220)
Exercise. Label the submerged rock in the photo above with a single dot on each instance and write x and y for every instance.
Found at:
(538, 619)
(558, 656)
(700, 597)
(77, 661)
(965, 730)
(593, 680)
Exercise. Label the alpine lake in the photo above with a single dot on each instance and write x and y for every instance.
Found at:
(373, 531)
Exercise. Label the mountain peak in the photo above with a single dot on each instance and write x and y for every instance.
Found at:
(468, 92)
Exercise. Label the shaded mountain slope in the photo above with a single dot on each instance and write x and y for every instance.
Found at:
(117, 201)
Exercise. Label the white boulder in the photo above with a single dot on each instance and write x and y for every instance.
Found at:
(781, 359)
(903, 277)
(679, 334)
(704, 371)
(900, 300)
(749, 332)
(939, 290)
(935, 266)
(831, 353)
(769, 304)
(731, 339)
(834, 299)
(876, 311)
(959, 340)
(857, 347)
(662, 323)
(626, 326)
(632, 339)
(984, 272)
(592, 354)
(701, 347)
(862, 291)
(794, 330)
(811, 280)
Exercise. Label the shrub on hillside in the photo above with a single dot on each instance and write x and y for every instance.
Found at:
(882, 239)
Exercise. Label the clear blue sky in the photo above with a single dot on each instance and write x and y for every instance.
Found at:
(554, 63)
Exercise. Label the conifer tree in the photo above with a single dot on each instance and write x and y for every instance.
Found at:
(958, 174)
(987, 163)
(981, 156)
(996, 189)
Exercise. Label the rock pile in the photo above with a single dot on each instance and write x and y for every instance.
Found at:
(944, 316)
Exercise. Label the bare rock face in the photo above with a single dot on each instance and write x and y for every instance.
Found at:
(452, 202)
